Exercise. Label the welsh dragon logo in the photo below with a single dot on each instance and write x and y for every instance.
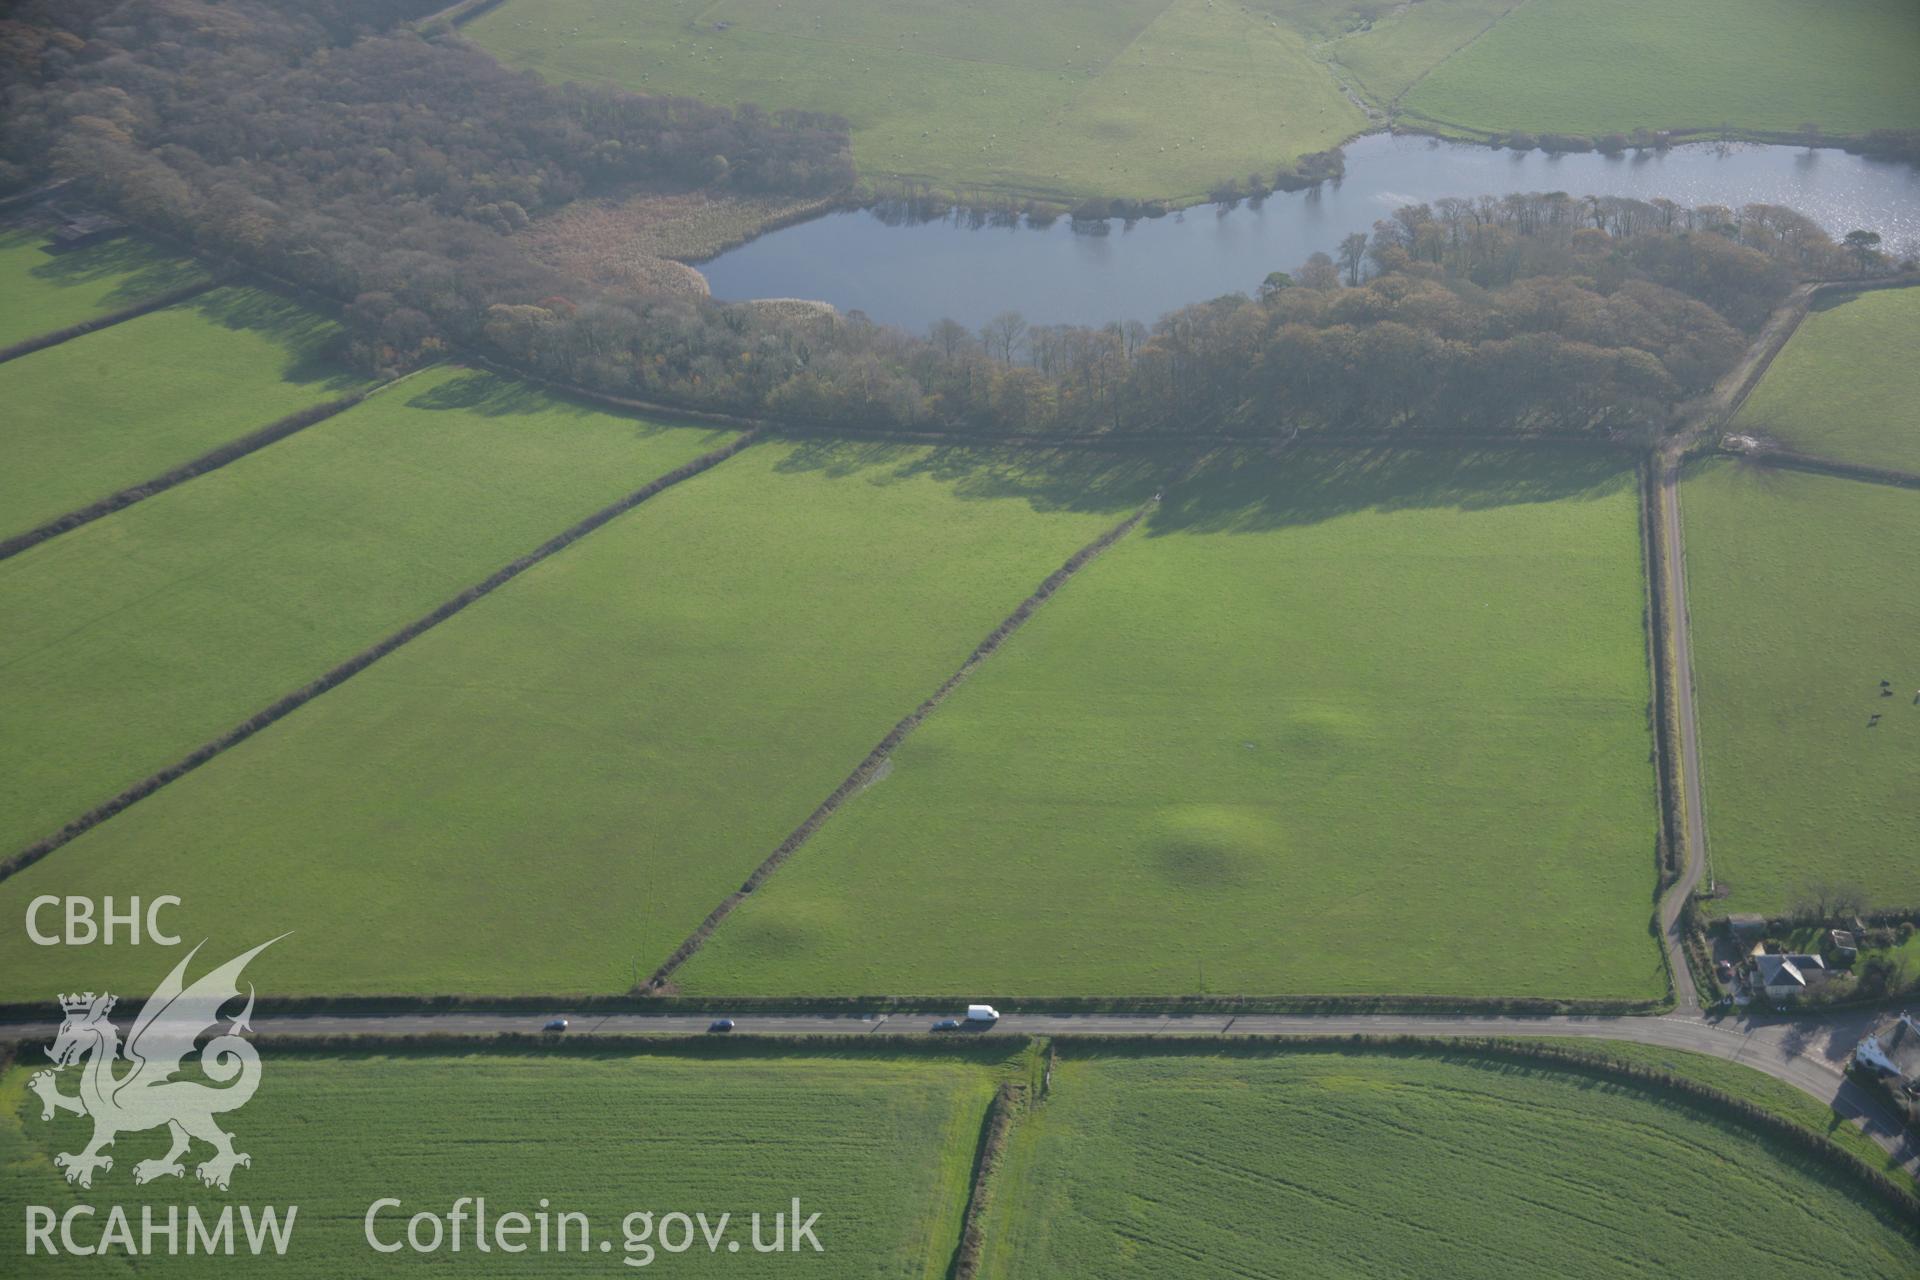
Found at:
(145, 1095)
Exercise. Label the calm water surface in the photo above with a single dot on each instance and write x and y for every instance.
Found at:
(912, 275)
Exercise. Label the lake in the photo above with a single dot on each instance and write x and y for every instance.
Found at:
(915, 273)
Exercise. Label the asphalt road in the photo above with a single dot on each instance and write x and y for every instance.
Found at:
(1807, 1053)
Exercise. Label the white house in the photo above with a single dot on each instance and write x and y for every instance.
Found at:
(1894, 1052)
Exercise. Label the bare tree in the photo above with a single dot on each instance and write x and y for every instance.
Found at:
(1003, 333)
(1823, 901)
(1353, 252)
(950, 336)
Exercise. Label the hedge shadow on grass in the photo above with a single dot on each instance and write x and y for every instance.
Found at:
(1048, 479)
(146, 273)
(491, 395)
(309, 337)
(1253, 490)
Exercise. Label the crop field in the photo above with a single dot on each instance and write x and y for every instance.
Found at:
(92, 416)
(880, 1146)
(1846, 383)
(1577, 66)
(46, 291)
(548, 792)
(1315, 1162)
(1805, 596)
(1142, 98)
(136, 638)
(1777, 1096)
(1324, 725)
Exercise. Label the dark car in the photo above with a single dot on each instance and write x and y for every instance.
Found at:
(558, 1024)
(947, 1024)
(720, 1024)
(1725, 970)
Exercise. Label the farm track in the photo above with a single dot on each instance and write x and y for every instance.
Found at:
(1670, 585)
(1731, 392)
(367, 657)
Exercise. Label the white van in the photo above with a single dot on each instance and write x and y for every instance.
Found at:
(982, 1013)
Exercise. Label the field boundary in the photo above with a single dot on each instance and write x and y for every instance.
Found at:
(1671, 854)
(864, 771)
(1791, 460)
(212, 460)
(1407, 120)
(1009, 1101)
(158, 302)
(365, 658)
(1393, 103)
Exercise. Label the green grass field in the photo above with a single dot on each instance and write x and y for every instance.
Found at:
(1141, 98)
(880, 1146)
(47, 291)
(550, 791)
(1348, 723)
(1804, 596)
(92, 416)
(1325, 1163)
(1166, 98)
(1390, 54)
(1599, 66)
(1846, 383)
(136, 638)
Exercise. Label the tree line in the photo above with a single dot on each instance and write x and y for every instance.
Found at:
(391, 170)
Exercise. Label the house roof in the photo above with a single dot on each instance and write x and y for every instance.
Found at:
(1786, 971)
(1901, 1046)
(1778, 971)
